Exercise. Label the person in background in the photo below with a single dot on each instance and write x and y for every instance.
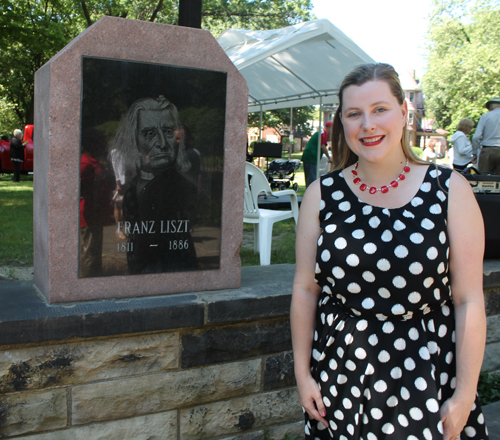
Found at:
(487, 135)
(310, 155)
(429, 151)
(462, 146)
(17, 153)
(387, 317)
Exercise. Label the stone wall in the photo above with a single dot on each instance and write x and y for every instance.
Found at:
(211, 365)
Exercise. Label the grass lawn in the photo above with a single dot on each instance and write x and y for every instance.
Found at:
(16, 220)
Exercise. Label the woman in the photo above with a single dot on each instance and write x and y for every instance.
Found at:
(462, 147)
(17, 153)
(374, 314)
(429, 151)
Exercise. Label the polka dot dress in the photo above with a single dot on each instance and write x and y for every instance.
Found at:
(384, 345)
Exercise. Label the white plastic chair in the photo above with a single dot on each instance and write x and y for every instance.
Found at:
(263, 219)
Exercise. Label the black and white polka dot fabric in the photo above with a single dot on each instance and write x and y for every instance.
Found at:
(384, 345)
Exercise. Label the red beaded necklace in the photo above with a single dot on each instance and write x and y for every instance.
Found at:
(383, 189)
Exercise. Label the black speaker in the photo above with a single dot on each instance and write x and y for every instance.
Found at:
(490, 208)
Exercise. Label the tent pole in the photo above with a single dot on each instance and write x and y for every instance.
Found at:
(260, 124)
(319, 136)
(290, 137)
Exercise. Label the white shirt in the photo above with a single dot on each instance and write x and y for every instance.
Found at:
(462, 148)
(488, 128)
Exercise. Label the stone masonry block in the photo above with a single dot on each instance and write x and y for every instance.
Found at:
(255, 435)
(491, 361)
(23, 413)
(238, 415)
(119, 399)
(492, 301)
(161, 426)
(493, 334)
(278, 371)
(86, 361)
(235, 342)
(293, 430)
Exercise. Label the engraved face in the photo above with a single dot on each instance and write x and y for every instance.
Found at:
(156, 139)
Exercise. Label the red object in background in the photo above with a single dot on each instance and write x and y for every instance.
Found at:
(6, 165)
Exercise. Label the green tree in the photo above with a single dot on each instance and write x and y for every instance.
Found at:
(463, 69)
(33, 31)
(279, 119)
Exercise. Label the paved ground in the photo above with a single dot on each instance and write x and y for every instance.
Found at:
(492, 415)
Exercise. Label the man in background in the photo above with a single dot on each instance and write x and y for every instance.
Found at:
(310, 155)
(488, 135)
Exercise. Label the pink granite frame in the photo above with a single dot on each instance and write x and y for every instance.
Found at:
(58, 89)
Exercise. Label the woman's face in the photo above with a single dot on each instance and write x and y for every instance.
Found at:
(373, 120)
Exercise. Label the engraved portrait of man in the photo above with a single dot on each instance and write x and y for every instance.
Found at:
(160, 200)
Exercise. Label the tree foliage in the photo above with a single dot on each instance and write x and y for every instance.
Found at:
(33, 31)
(279, 119)
(463, 70)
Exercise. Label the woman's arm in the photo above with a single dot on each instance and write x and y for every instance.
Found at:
(304, 302)
(466, 235)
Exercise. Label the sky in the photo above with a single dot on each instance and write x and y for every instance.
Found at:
(389, 31)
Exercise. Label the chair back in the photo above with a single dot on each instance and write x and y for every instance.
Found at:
(255, 184)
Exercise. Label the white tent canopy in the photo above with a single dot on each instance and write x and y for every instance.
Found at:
(295, 66)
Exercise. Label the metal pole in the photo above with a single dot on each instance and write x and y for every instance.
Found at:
(290, 138)
(260, 124)
(319, 135)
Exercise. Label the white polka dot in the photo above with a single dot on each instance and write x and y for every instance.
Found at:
(388, 428)
(348, 339)
(470, 431)
(427, 434)
(445, 310)
(417, 238)
(338, 272)
(327, 216)
(396, 373)
(326, 401)
(424, 353)
(325, 255)
(388, 328)
(339, 415)
(340, 243)
(373, 340)
(442, 237)
(384, 293)
(437, 294)
(442, 331)
(416, 268)
(386, 236)
(370, 248)
(440, 195)
(376, 413)
(352, 260)
(347, 403)
(432, 405)
(374, 222)
(386, 212)
(399, 225)
(330, 228)
(322, 205)
(358, 234)
(341, 379)
(431, 326)
(351, 219)
(420, 384)
(354, 288)
(333, 391)
(441, 268)
(413, 334)
(316, 354)
(443, 378)
(480, 419)
(383, 264)
(329, 319)
(405, 394)
(416, 201)
(344, 206)
(416, 413)
(409, 364)
(350, 365)
(328, 181)
(428, 282)
(399, 282)
(400, 344)
(401, 251)
(403, 421)
(337, 195)
(340, 352)
(333, 364)
(432, 253)
(362, 325)
(384, 356)
(367, 209)
(367, 303)
(350, 428)
(427, 224)
(368, 276)
(398, 309)
(370, 435)
(331, 281)
(355, 392)
(360, 353)
(320, 240)
(435, 209)
(426, 187)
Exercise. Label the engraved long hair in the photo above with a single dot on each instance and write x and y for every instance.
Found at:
(125, 140)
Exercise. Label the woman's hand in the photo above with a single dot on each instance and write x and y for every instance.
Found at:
(454, 415)
(311, 400)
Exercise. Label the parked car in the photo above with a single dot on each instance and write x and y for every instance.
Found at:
(6, 165)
